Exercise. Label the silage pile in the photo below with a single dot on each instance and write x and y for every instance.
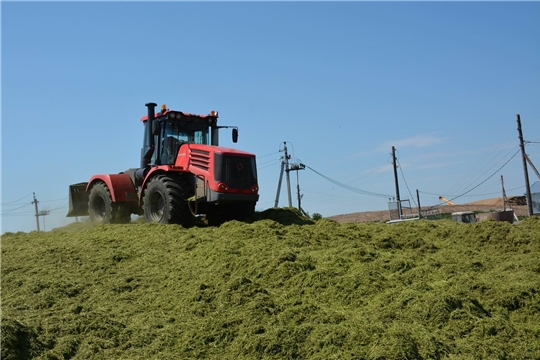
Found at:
(281, 287)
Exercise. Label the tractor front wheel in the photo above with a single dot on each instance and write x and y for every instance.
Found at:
(165, 201)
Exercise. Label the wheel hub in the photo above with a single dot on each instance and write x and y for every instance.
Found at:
(157, 207)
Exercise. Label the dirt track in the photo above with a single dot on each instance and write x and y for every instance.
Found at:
(482, 205)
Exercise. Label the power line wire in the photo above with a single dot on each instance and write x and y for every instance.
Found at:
(493, 193)
(403, 176)
(266, 162)
(21, 214)
(11, 202)
(488, 169)
(267, 166)
(10, 211)
(64, 199)
(363, 173)
(274, 153)
(348, 187)
(471, 176)
(60, 206)
(489, 176)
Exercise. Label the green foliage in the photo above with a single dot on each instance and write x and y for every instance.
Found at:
(284, 216)
(316, 216)
(281, 287)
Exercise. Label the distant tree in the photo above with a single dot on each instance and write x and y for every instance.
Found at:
(316, 216)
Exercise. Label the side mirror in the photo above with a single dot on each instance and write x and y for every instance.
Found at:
(235, 135)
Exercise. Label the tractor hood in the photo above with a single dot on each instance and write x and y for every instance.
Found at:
(200, 155)
(236, 168)
(221, 149)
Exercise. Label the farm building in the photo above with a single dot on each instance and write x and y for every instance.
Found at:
(535, 197)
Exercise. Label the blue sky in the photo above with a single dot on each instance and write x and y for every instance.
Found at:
(340, 82)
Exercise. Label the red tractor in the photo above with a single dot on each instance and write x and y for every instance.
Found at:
(183, 173)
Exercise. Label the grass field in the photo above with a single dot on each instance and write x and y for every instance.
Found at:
(281, 287)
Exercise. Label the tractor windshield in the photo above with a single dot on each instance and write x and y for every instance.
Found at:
(176, 133)
(469, 218)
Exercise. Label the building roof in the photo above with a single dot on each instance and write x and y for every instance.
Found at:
(535, 187)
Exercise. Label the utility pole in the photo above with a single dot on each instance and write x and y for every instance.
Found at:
(298, 191)
(297, 167)
(284, 166)
(279, 184)
(44, 213)
(525, 171)
(39, 213)
(35, 202)
(532, 165)
(394, 162)
(287, 157)
(419, 207)
(505, 199)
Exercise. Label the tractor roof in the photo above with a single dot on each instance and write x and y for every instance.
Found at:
(184, 114)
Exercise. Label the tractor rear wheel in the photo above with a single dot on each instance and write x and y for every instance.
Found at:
(100, 204)
(103, 210)
(165, 201)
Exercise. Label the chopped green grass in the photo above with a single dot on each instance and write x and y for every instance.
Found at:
(281, 287)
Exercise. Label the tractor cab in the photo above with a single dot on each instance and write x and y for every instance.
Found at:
(167, 130)
(464, 217)
(175, 132)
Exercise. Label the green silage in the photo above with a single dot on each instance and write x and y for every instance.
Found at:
(281, 287)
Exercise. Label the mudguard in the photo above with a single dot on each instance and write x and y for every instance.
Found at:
(120, 186)
(156, 170)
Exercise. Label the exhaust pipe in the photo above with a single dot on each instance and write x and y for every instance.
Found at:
(148, 146)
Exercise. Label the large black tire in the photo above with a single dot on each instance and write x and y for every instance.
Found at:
(165, 201)
(103, 210)
(218, 214)
(100, 204)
